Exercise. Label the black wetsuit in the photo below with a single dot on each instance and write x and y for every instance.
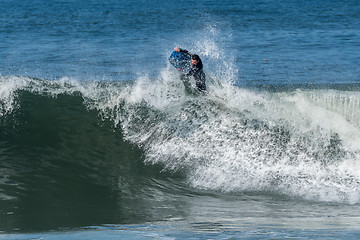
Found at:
(197, 72)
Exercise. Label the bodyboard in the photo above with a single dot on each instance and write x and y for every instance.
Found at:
(180, 60)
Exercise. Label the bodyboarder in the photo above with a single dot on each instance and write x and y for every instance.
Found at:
(196, 69)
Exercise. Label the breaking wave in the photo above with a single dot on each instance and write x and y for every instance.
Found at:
(302, 143)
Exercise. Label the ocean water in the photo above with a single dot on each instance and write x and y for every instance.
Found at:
(100, 140)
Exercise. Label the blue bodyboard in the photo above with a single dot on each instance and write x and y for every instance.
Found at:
(180, 60)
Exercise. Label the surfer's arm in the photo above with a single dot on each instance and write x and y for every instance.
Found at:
(186, 52)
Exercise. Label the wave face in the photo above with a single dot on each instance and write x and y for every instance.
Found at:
(149, 137)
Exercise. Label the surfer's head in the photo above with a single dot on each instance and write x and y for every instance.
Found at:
(195, 59)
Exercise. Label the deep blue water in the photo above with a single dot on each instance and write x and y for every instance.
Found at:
(99, 139)
(271, 42)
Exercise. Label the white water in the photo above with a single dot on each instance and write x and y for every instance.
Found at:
(242, 140)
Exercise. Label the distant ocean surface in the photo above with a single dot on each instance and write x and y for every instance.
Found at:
(100, 140)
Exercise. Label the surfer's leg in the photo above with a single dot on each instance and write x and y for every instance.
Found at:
(201, 87)
(186, 82)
